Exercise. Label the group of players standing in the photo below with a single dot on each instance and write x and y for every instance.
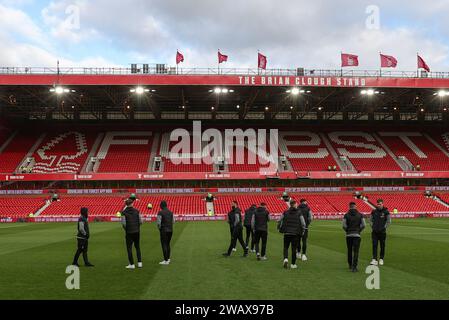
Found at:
(294, 225)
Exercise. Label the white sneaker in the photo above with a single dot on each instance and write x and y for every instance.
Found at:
(168, 260)
(139, 264)
(293, 266)
(304, 257)
(130, 266)
(234, 249)
(164, 263)
(381, 262)
(264, 258)
(285, 263)
(373, 262)
(298, 255)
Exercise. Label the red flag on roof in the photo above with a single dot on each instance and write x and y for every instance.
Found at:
(349, 60)
(179, 57)
(388, 61)
(222, 57)
(422, 64)
(261, 61)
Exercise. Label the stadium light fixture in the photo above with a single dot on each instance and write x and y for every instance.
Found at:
(295, 91)
(61, 90)
(238, 106)
(442, 93)
(139, 90)
(217, 90)
(369, 92)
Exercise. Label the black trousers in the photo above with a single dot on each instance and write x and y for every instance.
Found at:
(231, 231)
(304, 242)
(83, 245)
(249, 234)
(378, 237)
(237, 235)
(264, 236)
(165, 243)
(290, 239)
(133, 239)
(353, 244)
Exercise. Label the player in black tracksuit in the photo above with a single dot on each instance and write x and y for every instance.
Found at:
(353, 224)
(83, 238)
(249, 213)
(259, 224)
(380, 220)
(131, 221)
(236, 225)
(165, 221)
(292, 225)
(307, 214)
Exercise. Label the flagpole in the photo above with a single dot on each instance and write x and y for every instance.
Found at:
(417, 65)
(218, 61)
(341, 64)
(380, 71)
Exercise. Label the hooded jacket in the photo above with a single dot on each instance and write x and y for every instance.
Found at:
(131, 220)
(235, 219)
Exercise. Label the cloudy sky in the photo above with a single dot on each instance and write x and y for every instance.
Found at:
(291, 33)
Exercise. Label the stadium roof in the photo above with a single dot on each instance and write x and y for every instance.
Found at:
(25, 91)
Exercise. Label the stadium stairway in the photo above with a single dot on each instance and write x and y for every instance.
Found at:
(440, 201)
(42, 209)
(402, 165)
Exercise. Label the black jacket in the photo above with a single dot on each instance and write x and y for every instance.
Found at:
(165, 220)
(380, 219)
(235, 219)
(83, 228)
(353, 223)
(292, 222)
(261, 218)
(249, 216)
(131, 220)
(306, 213)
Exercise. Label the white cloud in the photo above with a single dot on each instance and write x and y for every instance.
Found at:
(291, 33)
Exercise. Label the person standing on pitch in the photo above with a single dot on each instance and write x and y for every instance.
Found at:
(259, 224)
(307, 214)
(165, 221)
(83, 239)
(249, 213)
(292, 225)
(379, 221)
(235, 221)
(131, 221)
(353, 224)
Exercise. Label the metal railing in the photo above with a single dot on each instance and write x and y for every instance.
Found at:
(222, 71)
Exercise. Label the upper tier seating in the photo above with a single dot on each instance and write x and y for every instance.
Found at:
(420, 151)
(15, 151)
(364, 152)
(62, 152)
(131, 155)
(306, 151)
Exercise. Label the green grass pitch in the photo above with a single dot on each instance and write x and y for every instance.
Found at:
(33, 259)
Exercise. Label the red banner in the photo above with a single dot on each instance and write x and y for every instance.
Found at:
(227, 80)
(227, 176)
(349, 60)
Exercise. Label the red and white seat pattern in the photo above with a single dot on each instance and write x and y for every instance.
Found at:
(62, 153)
(362, 149)
(417, 149)
(125, 151)
(305, 150)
